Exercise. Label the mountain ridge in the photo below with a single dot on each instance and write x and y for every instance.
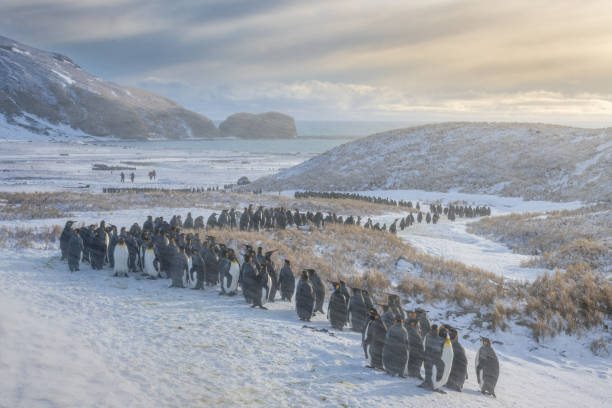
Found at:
(529, 160)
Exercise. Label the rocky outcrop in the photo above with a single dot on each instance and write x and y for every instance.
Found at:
(40, 88)
(271, 125)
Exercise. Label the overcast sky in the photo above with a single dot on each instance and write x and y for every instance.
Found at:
(537, 60)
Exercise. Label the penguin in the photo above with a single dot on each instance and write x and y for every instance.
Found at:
(271, 271)
(421, 316)
(230, 279)
(74, 251)
(374, 340)
(249, 278)
(149, 262)
(304, 298)
(286, 281)
(357, 311)
(487, 368)
(121, 256)
(263, 287)
(319, 289)
(433, 345)
(443, 364)
(416, 349)
(194, 266)
(336, 309)
(65, 238)
(186, 265)
(396, 350)
(344, 291)
(198, 269)
(367, 300)
(458, 373)
(388, 316)
(177, 268)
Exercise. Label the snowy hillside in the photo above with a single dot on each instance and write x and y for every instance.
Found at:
(534, 161)
(40, 90)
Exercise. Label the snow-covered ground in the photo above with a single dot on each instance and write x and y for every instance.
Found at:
(38, 165)
(87, 339)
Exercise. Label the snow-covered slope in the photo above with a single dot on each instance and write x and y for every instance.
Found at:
(40, 89)
(534, 161)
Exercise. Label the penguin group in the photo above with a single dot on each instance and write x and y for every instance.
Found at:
(405, 344)
(402, 343)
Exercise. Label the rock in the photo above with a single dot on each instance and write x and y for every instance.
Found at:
(243, 181)
(42, 91)
(271, 125)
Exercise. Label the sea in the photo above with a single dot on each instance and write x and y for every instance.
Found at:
(314, 137)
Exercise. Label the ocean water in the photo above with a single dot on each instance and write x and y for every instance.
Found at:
(314, 137)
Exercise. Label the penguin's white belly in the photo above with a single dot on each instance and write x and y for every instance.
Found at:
(149, 266)
(121, 259)
(234, 272)
(368, 355)
(186, 282)
(447, 359)
(193, 277)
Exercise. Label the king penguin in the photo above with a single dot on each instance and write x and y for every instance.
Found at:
(487, 368)
(230, 280)
(121, 256)
(442, 367)
(149, 263)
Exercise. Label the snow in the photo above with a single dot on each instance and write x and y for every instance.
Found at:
(18, 51)
(88, 339)
(535, 161)
(65, 77)
(31, 163)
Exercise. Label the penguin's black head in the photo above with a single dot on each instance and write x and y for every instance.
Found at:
(76, 230)
(434, 328)
(412, 322)
(442, 332)
(305, 274)
(453, 334)
(485, 341)
(287, 261)
(356, 291)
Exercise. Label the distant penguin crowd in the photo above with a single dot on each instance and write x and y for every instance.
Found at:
(402, 343)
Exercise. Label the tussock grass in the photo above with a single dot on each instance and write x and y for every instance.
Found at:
(30, 238)
(563, 302)
(39, 205)
(557, 239)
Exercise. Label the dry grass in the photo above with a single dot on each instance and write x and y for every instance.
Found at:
(557, 239)
(30, 238)
(63, 204)
(564, 302)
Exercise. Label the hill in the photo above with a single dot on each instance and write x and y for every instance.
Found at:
(533, 161)
(40, 90)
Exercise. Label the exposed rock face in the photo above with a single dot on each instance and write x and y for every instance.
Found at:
(37, 86)
(534, 161)
(271, 125)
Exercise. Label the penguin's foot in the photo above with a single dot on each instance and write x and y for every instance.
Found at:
(252, 306)
(263, 307)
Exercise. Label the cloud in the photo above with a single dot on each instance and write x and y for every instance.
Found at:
(361, 58)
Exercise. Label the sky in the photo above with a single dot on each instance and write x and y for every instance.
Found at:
(427, 60)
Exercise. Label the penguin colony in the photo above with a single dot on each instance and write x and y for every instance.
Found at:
(402, 343)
